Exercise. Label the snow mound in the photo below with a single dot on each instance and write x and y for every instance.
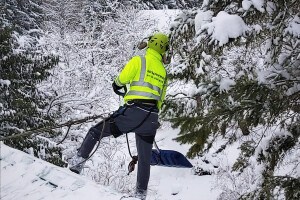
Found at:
(223, 27)
(258, 4)
(26, 177)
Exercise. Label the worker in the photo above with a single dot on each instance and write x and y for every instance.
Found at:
(147, 78)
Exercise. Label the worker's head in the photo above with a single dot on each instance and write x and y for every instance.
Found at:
(159, 42)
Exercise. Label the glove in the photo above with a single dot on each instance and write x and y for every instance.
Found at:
(116, 89)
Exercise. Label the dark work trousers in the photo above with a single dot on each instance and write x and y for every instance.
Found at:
(128, 119)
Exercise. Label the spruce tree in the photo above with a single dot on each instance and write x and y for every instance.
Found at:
(23, 66)
(242, 88)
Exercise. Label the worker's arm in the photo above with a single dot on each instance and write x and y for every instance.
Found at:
(163, 94)
(129, 72)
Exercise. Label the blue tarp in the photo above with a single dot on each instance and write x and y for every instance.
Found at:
(169, 158)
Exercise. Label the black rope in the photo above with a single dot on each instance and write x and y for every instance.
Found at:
(134, 160)
(69, 127)
(138, 126)
(131, 165)
(128, 146)
(102, 131)
(157, 154)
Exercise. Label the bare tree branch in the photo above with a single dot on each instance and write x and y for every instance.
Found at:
(49, 128)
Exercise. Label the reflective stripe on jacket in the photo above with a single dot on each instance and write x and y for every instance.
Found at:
(147, 77)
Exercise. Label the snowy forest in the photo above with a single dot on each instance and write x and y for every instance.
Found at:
(234, 86)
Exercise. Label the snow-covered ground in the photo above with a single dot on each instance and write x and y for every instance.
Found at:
(26, 177)
(178, 183)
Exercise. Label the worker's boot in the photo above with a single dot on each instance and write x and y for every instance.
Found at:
(77, 164)
(140, 194)
(84, 151)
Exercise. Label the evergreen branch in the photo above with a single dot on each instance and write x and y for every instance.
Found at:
(49, 128)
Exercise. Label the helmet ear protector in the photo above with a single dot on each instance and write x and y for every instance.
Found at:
(144, 43)
(166, 58)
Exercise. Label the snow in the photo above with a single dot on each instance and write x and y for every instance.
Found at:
(246, 4)
(224, 26)
(294, 27)
(226, 83)
(5, 82)
(202, 18)
(178, 183)
(163, 19)
(292, 90)
(205, 3)
(182, 185)
(26, 177)
(257, 28)
(258, 4)
(261, 75)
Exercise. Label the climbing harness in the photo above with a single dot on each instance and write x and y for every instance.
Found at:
(131, 165)
(134, 160)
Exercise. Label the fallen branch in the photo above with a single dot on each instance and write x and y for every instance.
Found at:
(47, 129)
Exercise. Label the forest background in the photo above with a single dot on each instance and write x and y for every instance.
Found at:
(234, 81)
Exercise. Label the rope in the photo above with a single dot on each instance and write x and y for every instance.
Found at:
(102, 131)
(134, 160)
(156, 147)
(65, 136)
(128, 146)
(138, 126)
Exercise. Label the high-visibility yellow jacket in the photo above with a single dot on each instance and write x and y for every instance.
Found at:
(147, 77)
